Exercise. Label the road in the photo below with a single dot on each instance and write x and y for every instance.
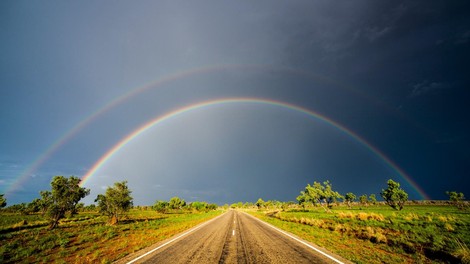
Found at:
(234, 237)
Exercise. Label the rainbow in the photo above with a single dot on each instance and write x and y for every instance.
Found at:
(160, 119)
(54, 147)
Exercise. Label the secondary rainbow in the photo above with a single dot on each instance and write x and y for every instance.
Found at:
(160, 119)
(158, 83)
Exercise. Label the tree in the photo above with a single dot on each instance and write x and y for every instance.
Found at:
(456, 199)
(34, 206)
(349, 198)
(394, 196)
(116, 201)
(330, 196)
(302, 199)
(260, 203)
(176, 203)
(212, 206)
(63, 198)
(363, 199)
(321, 194)
(161, 206)
(372, 199)
(3, 201)
(199, 206)
(90, 208)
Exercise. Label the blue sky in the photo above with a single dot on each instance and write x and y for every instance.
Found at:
(393, 72)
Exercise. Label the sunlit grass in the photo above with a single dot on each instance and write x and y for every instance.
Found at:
(86, 238)
(379, 234)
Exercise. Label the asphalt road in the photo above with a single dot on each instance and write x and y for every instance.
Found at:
(235, 237)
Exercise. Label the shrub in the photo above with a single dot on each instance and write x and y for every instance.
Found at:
(448, 227)
(362, 216)
(411, 217)
(345, 215)
(377, 217)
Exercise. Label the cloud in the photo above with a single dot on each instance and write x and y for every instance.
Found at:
(425, 87)
(376, 32)
(386, 23)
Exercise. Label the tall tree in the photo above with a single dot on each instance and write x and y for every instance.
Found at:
(64, 196)
(116, 201)
(394, 196)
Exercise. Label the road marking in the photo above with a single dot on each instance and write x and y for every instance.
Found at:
(296, 239)
(233, 232)
(176, 238)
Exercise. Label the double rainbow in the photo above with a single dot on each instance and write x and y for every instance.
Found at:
(186, 109)
(196, 71)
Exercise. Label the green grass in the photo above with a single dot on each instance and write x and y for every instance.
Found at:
(86, 237)
(379, 234)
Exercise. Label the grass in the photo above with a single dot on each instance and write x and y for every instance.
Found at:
(379, 234)
(86, 237)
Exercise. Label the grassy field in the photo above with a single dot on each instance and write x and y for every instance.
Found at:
(379, 234)
(86, 238)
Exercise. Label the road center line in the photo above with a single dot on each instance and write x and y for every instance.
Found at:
(296, 239)
(233, 232)
(176, 238)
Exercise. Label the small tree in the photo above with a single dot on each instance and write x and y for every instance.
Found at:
(63, 198)
(212, 206)
(302, 199)
(34, 206)
(260, 203)
(363, 200)
(161, 206)
(373, 199)
(116, 201)
(394, 196)
(314, 193)
(3, 201)
(199, 206)
(176, 203)
(349, 198)
(456, 199)
(330, 196)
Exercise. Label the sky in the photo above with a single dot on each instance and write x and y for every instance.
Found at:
(384, 86)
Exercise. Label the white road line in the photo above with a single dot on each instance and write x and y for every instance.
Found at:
(296, 239)
(176, 238)
(233, 232)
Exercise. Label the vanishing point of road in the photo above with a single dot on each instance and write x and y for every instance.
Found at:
(234, 237)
